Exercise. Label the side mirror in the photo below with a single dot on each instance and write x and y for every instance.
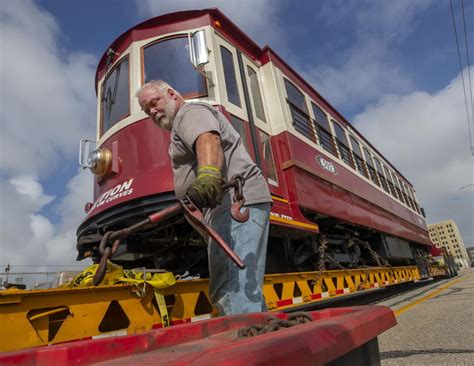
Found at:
(85, 148)
(198, 52)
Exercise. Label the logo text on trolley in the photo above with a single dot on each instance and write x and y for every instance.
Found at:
(325, 164)
(120, 190)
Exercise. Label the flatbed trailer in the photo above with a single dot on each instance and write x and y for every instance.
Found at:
(43, 317)
(344, 336)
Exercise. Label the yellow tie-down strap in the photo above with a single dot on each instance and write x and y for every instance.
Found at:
(115, 274)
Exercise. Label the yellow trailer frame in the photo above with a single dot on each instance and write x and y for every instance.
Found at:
(42, 317)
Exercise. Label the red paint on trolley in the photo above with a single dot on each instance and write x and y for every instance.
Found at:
(332, 334)
(143, 153)
(346, 195)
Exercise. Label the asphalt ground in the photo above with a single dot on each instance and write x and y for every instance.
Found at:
(435, 324)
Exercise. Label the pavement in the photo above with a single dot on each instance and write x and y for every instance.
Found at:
(435, 324)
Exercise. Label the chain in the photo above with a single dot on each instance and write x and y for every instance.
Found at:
(375, 256)
(423, 262)
(322, 259)
(272, 324)
(336, 263)
(237, 182)
(381, 262)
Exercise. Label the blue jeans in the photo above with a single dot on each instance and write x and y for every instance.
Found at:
(232, 290)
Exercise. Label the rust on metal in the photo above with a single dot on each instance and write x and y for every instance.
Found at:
(237, 213)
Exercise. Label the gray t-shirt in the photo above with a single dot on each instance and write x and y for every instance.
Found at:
(194, 119)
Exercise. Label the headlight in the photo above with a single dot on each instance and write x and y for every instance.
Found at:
(99, 161)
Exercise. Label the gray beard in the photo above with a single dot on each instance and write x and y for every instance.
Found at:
(165, 120)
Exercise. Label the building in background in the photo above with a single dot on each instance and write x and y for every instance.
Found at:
(470, 253)
(445, 234)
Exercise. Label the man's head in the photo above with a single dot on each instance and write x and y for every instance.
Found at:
(160, 101)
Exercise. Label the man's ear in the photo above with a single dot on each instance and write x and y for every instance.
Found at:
(171, 93)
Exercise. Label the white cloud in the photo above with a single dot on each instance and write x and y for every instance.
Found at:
(28, 186)
(48, 100)
(426, 137)
(366, 75)
(255, 18)
(48, 104)
(29, 237)
(368, 68)
(71, 207)
(387, 20)
(41, 228)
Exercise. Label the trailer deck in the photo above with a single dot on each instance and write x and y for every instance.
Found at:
(45, 317)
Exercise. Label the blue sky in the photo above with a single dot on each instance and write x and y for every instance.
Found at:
(390, 67)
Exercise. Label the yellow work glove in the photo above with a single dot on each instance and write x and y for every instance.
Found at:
(205, 191)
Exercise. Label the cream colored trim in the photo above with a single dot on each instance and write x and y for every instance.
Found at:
(264, 126)
(135, 62)
(240, 112)
(273, 97)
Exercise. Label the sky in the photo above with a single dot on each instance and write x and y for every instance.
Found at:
(390, 67)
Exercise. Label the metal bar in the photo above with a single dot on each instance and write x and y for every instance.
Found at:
(196, 219)
(165, 213)
(47, 313)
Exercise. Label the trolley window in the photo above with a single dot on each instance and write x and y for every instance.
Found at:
(390, 181)
(324, 131)
(168, 60)
(230, 78)
(380, 174)
(410, 201)
(404, 194)
(370, 166)
(359, 160)
(115, 95)
(256, 95)
(239, 126)
(268, 158)
(342, 144)
(398, 188)
(416, 206)
(299, 112)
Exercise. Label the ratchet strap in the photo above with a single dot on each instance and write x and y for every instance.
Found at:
(115, 274)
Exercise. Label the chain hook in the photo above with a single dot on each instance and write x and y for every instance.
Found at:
(106, 250)
(236, 211)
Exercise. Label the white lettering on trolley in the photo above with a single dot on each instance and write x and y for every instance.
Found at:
(285, 217)
(325, 164)
(120, 190)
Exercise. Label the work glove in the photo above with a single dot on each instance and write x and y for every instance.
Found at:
(205, 191)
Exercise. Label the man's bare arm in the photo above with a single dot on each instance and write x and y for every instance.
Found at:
(209, 150)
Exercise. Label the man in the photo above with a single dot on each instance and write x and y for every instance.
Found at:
(205, 151)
